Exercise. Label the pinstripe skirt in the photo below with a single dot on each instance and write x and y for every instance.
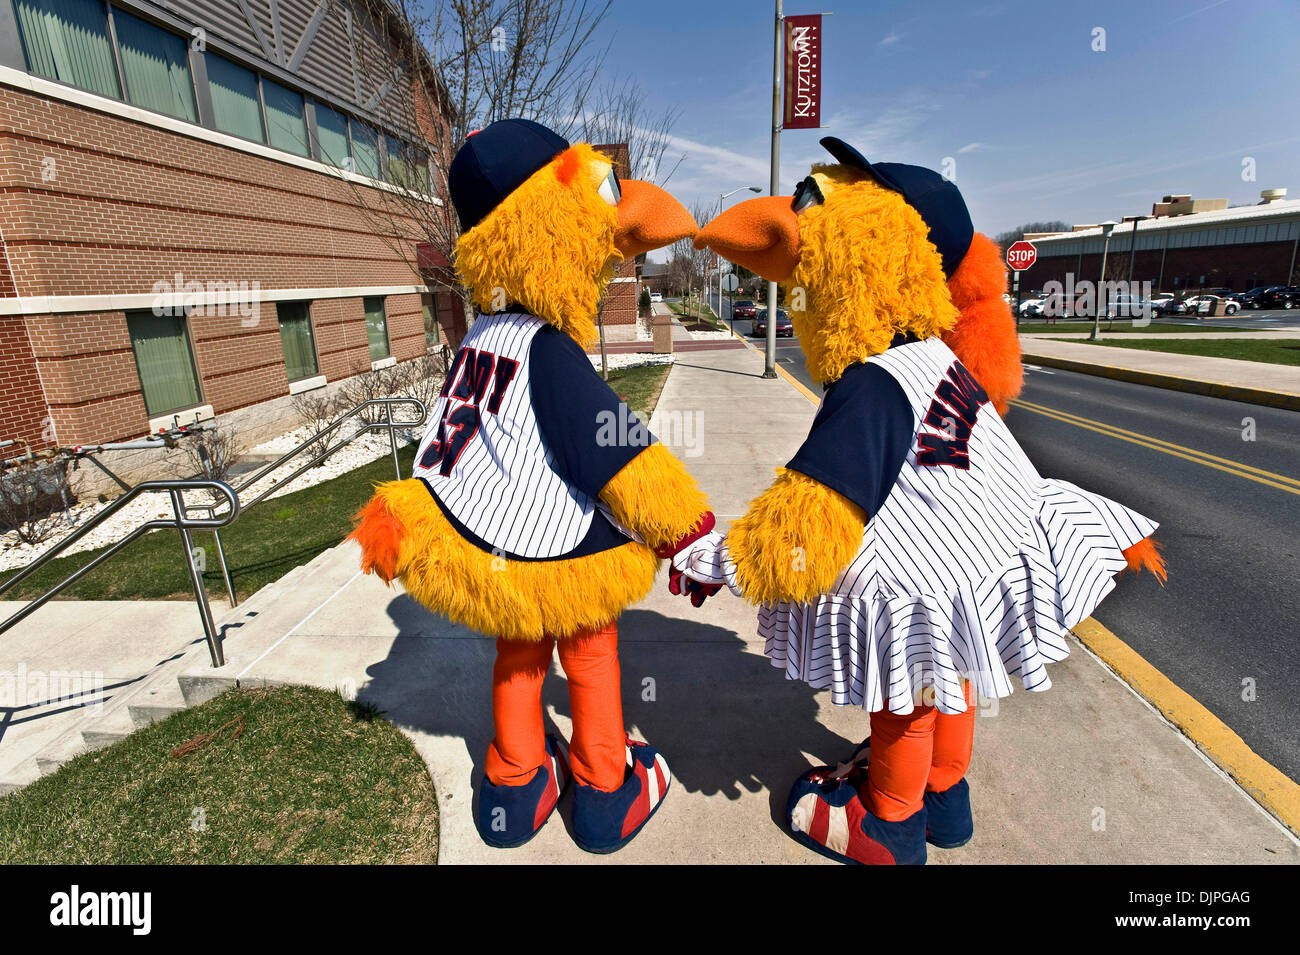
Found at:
(892, 651)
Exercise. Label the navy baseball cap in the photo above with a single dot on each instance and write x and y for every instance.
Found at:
(495, 161)
(930, 194)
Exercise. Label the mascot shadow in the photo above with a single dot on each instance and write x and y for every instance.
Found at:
(726, 720)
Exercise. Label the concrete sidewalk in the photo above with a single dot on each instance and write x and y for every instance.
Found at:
(1253, 381)
(1086, 772)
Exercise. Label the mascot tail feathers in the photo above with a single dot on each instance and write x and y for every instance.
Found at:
(1145, 554)
(379, 531)
(984, 337)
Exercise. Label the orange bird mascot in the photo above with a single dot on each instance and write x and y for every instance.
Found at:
(909, 553)
(539, 506)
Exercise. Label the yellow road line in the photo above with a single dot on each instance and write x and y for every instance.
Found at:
(1187, 454)
(1265, 783)
(1145, 437)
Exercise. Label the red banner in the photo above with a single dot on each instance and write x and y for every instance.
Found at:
(803, 72)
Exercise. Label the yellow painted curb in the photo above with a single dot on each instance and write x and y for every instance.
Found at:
(1195, 386)
(802, 388)
(1265, 783)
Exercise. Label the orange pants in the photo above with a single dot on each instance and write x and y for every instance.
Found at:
(597, 752)
(923, 751)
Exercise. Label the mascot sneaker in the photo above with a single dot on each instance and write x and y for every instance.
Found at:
(826, 815)
(509, 816)
(948, 818)
(605, 822)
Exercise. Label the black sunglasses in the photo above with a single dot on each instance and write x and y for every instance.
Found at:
(806, 194)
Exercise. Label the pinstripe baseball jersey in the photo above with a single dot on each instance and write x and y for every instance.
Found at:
(522, 438)
(971, 565)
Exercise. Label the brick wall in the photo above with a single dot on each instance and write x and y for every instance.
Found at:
(92, 204)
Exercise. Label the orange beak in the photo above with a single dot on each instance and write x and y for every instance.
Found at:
(649, 218)
(760, 234)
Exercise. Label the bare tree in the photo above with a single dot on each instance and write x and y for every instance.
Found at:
(462, 64)
(688, 266)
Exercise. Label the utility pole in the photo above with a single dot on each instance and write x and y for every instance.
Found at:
(774, 185)
(1106, 229)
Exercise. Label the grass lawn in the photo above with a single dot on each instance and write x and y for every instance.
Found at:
(1276, 351)
(310, 779)
(703, 319)
(1123, 328)
(271, 539)
(639, 387)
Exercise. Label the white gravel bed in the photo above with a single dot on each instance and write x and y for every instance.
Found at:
(632, 360)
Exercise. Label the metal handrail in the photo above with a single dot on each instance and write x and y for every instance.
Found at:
(180, 519)
(387, 423)
(184, 522)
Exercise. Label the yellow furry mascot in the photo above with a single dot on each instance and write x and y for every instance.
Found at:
(909, 554)
(540, 507)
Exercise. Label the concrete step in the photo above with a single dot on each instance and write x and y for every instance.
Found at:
(55, 755)
(107, 730)
(156, 703)
(20, 776)
(311, 585)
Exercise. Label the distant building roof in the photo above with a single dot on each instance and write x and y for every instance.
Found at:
(1277, 211)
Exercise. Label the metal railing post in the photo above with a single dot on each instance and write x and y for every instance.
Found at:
(392, 438)
(196, 581)
(225, 571)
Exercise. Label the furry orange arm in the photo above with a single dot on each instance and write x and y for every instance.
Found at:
(655, 496)
(796, 538)
(984, 337)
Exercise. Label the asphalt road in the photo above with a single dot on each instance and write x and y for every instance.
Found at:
(1225, 627)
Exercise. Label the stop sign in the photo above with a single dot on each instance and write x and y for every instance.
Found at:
(1021, 255)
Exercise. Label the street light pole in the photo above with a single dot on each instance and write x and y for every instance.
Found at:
(774, 186)
(1106, 229)
(1132, 254)
(721, 199)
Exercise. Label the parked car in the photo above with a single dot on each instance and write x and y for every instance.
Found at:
(1166, 303)
(656, 297)
(1252, 298)
(744, 309)
(1194, 303)
(1281, 296)
(1031, 307)
(784, 327)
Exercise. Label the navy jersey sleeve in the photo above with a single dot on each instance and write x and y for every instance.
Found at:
(860, 437)
(591, 433)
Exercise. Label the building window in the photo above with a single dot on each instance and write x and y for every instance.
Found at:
(332, 134)
(297, 341)
(156, 67)
(285, 118)
(235, 105)
(67, 40)
(408, 166)
(429, 308)
(376, 328)
(163, 358)
(365, 150)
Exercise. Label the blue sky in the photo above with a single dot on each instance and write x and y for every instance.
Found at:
(1039, 124)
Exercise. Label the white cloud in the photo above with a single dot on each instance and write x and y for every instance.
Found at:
(890, 39)
(971, 147)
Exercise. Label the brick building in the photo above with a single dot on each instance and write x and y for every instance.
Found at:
(234, 155)
(619, 306)
(1236, 248)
